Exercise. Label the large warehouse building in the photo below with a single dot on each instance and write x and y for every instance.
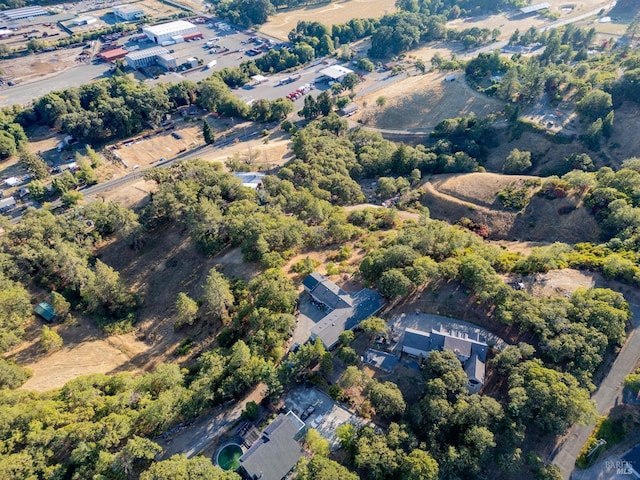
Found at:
(145, 58)
(22, 13)
(127, 12)
(167, 32)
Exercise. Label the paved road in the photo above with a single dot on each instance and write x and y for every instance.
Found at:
(608, 395)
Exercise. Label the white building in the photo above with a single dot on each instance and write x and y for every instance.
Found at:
(145, 58)
(166, 32)
(86, 20)
(167, 61)
(127, 12)
(336, 72)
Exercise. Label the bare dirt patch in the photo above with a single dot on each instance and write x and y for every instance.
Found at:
(422, 101)
(282, 23)
(36, 66)
(86, 350)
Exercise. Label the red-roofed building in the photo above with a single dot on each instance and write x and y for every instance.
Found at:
(193, 36)
(113, 55)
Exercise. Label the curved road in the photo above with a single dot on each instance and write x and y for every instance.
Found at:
(607, 396)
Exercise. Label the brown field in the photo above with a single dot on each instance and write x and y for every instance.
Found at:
(35, 67)
(422, 101)
(329, 14)
(86, 350)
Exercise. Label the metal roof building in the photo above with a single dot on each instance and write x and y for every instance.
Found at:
(22, 13)
(535, 8)
(336, 72)
(45, 311)
(166, 31)
(145, 58)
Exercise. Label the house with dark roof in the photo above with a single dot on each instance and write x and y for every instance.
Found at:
(45, 311)
(471, 350)
(274, 454)
(344, 310)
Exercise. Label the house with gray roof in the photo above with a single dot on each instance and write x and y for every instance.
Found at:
(344, 310)
(274, 454)
(471, 350)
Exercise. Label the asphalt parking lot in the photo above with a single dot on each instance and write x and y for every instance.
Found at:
(327, 415)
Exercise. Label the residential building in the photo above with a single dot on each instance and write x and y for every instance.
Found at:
(344, 310)
(7, 204)
(274, 454)
(471, 350)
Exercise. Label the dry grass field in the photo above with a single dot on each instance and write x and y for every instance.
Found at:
(422, 101)
(450, 197)
(329, 14)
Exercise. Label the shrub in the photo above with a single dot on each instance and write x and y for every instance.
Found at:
(50, 340)
(513, 197)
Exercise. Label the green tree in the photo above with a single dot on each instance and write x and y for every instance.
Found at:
(352, 377)
(15, 312)
(548, 399)
(326, 365)
(7, 145)
(12, 375)
(517, 162)
(60, 304)
(322, 468)
(186, 310)
(394, 283)
(316, 443)
(373, 326)
(37, 190)
(418, 465)
(106, 290)
(34, 163)
(325, 103)
(71, 198)
(595, 104)
(179, 467)
(50, 340)
(217, 296)
(386, 398)
(273, 290)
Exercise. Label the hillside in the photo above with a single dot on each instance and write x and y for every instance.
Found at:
(473, 195)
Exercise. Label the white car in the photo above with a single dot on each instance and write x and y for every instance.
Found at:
(317, 421)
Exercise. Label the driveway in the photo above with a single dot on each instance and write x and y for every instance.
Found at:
(193, 439)
(608, 395)
(327, 414)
